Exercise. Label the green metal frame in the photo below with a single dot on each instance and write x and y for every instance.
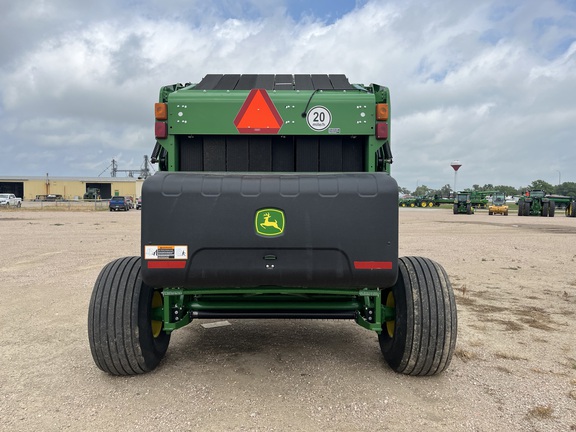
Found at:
(186, 301)
(213, 113)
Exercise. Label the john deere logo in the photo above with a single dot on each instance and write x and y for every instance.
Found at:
(269, 222)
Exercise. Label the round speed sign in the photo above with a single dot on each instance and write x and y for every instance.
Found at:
(319, 118)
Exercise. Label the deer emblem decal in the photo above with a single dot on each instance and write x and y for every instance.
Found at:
(269, 222)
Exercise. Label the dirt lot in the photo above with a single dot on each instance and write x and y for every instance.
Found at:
(514, 368)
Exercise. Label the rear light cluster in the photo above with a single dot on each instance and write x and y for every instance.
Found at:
(161, 113)
(382, 118)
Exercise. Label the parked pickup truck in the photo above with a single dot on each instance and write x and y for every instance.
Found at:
(10, 200)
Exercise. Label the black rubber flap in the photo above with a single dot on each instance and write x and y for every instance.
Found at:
(248, 230)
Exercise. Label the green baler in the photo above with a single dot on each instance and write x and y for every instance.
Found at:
(274, 200)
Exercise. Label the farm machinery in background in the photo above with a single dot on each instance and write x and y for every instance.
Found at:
(478, 199)
(571, 208)
(567, 203)
(536, 202)
(532, 203)
(418, 201)
(92, 193)
(498, 205)
(463, 204)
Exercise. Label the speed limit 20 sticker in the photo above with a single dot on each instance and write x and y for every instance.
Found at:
(319, 118)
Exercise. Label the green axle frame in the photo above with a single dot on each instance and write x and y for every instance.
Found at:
(181, 304)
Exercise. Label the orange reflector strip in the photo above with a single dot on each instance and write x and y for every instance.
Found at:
(373, 265)
(382, 111)
(176, 264)
(161, 111)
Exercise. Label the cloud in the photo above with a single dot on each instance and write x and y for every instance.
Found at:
(488, 84)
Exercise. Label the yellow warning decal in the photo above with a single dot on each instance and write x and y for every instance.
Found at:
(164, 252)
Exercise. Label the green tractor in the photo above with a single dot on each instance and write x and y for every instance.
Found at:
(462, 204)
(419, 201)
(274, 200)
(407, 202)
(426, 201)
(536, 203)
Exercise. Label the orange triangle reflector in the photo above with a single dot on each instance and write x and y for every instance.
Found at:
(258, 114)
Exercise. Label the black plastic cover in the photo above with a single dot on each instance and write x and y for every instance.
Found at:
(274, 82)
(249, 230)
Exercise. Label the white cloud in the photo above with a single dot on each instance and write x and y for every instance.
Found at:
(489, 85)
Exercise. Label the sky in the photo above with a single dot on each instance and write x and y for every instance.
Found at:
(491, 84)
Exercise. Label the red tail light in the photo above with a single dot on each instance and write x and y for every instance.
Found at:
(161, 130)
(382, 130)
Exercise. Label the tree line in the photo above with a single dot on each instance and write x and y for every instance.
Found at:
(566, 188)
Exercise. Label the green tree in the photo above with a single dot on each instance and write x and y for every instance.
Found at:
(542, 185)
(507, 190)
(566, 188)
(422, 190)
(445, 191)
(403, 190)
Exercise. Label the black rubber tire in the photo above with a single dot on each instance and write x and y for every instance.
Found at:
(455, 208)
(425, 327)
(544, 211)
(573, 209)
(526, 209)
(551, 209)
(468, 209)
(119, 321)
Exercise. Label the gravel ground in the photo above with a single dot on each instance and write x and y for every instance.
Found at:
(514, 367)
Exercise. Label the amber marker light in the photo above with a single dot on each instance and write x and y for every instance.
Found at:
(382, 111)
(161, 111)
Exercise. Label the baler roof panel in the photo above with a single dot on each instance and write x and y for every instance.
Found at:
(272, 104)
(274, 82)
